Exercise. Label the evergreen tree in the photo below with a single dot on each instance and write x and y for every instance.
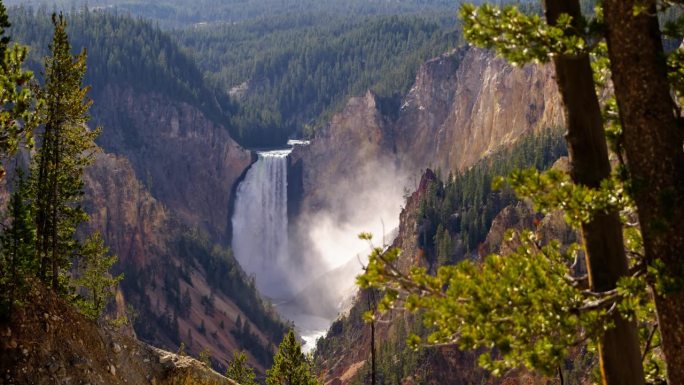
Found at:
(67, 147)
(239, 371)
(619, 350)
(19, 106)
(94, 280)
(17, 255)
(290, 365)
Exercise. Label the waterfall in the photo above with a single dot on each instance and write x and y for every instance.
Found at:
(260, 235)
(260, 244)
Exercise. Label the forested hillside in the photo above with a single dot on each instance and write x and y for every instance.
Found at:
(122, 50)
(456, 214)
(291, 72)
(151, 96)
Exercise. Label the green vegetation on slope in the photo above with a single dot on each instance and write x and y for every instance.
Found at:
(299, 69)
(39, 243)
(464, 207)
(223, 275)
(130, 53)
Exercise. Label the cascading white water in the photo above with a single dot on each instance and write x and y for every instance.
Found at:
(310, 282)
(260, 236)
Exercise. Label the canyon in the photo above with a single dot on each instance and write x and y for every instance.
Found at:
(165, 194)
(359, 169)
(352, 177)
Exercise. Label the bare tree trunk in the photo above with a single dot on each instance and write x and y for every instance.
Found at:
(653, 145)
(619, 353)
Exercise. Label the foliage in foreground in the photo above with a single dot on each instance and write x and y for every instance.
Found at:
(20, 110)
(290, 365)
(239, 371)
(528, 308)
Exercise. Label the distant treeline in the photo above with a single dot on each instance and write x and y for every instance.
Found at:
(177, 13)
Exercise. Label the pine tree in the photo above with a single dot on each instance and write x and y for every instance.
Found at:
(290, 365)
(239, 371)
(94, 280)
(652, 141)
(619, 350)
(19, 105)
(17, 255)
(67, 148)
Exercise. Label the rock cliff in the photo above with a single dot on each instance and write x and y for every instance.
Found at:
(464, 105)
(187, 161)
(161, 196)
(345, 350)
(355, 142)
(343, 356)
(176, 296)
(172, 171)
(468, 103)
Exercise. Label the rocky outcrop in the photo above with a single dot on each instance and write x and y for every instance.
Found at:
(48, 342)
(122, 209)
(517, 217)
(522, 216)
(346, 348)
(464, 105)
(343, 355)
(356, 142)
(188, 161)
(171, 169)
(467, 104)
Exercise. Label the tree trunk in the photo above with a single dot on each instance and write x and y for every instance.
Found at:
(653, 145)
(41, 207)
(619, 353)
(371, 307)
(54, 214)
